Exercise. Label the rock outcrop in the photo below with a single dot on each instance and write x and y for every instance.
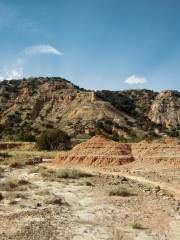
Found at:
(165, 109)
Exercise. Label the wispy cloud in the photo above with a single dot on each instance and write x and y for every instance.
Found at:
(135, 80)
(41, 49)
(16, 71)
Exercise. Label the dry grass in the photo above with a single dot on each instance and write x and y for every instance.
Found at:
(56, 175)
(20, 158)
(38, 169)
(119, 191)
(1, 172)
(12, 184)
(54, 201)
(137, 226)
(71, 173)
(14, 195)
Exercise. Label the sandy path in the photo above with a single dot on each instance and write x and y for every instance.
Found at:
(165, 186)
(91, 215)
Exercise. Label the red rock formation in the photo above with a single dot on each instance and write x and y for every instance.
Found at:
(102, 152)
(98, 151)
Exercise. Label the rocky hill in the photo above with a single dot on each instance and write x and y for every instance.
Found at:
(30, 106)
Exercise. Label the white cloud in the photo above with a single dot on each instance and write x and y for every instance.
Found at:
(16, 71)
(14, 74)
(41, 49)
(135, 80)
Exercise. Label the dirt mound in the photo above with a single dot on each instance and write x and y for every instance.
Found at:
(98, 151)
(153, 153)
(102, 152)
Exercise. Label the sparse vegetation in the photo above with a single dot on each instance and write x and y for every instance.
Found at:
(1, 197)
(20, 158)
(34, 115)
(137, 226)
(71, 173)
(56, 175)
(54, 201)
(119, 191)
(1, 172)
(17, 163)
(12, 184)
(13, 195)
(4, 155)
(38, 169)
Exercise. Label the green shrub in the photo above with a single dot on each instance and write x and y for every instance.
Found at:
(25, 137)
(151, 136)
(53, 140)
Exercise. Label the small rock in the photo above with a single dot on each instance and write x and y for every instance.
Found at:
(147, 190)
(55, 201)
(162, 194)
(35, 160)
(166, 197)
(157, 189)
(38, 204)
(1, 197)
(124, 179)
(88, 183)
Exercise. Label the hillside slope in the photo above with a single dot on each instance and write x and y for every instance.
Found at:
(35, 104)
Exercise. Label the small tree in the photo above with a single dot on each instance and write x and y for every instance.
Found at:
(53, 140)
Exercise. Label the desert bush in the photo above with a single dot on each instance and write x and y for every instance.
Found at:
(56, 175)
(119, 191)
(137, 226)
(38, 169)
(53, 140)
(71, 173)
(5, 154)
(12, 184)
(26, 137)
(14, 195)
(54, 201)
(1, 172)
(174, 133)
(18, 162)
(1, 197)
(151, 136)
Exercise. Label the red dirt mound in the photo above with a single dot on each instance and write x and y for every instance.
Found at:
(154, 153)
(102, 152)
(98, 151)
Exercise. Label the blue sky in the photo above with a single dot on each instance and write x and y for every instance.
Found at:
(96, 44)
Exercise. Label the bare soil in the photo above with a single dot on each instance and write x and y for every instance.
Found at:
(86, 211)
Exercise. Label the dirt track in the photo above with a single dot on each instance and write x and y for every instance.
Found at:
(89, 213)
(165, 186)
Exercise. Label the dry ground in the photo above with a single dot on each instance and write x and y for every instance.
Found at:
(131, 203)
